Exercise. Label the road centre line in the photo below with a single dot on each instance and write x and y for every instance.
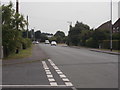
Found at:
(49, 75)
(64, 78)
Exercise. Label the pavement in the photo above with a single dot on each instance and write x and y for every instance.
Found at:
(63, 67)
(34, 72)
(104, 51)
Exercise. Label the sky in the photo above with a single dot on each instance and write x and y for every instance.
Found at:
(53, 16)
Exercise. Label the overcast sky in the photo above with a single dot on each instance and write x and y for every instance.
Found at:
(53, 16)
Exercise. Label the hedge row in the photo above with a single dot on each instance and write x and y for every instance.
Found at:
(105, 44)
(115, 44)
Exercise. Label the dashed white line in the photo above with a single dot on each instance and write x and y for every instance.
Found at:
(53, 84)
(49, 74)
(60, 72)
(65, 79)
(68, 84)
(51, 80)
(62, 76)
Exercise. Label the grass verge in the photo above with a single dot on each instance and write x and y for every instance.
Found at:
(22, 54)
(109, 50)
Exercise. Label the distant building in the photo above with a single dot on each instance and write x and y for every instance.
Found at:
(116, 26)
(49, 36)
(105, 26)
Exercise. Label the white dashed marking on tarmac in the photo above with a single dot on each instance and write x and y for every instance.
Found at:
(53, 84)
(65, 79)
(49, 74)
(62, 76)
(68, 84)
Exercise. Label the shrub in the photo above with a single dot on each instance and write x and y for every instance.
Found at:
(92, 43)
(115, 44)
(26, 43)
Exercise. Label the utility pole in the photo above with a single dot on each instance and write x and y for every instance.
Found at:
(111, 28)
(70, 24)
(17, 6)
(17, 11)
(27, 26)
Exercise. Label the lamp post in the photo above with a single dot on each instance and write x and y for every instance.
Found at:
(70, 24)
(111, 27)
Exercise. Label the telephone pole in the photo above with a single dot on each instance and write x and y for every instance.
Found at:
(17, 6)
(27, 26)
(17, 11)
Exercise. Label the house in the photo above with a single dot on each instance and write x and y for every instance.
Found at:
(105, 26)
(116, 26)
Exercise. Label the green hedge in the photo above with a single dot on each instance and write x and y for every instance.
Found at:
(115, 44)
(92, 43)
(26, 43)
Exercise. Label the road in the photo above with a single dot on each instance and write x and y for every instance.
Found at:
(84, 68)
(66, 66)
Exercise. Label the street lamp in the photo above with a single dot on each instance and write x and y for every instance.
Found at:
(111, 28)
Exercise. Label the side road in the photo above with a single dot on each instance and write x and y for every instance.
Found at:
(37, 55)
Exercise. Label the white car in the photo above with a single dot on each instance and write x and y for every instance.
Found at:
(47, 42)
(35, 42)
(53, 43)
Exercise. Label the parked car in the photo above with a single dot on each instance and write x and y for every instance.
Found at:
(47, 42)
(53, 43)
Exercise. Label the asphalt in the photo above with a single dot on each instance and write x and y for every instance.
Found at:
(84, 68)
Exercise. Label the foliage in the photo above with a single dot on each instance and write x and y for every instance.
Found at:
(12, 26)
(77, 33)
(59, 37)
(106, 44)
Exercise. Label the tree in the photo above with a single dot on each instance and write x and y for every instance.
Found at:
(11, 35)
(60, 35)
(76, 35)
(38, 34)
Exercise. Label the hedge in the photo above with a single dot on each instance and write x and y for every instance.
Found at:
(115, 44)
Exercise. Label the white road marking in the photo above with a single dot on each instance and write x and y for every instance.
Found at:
(51, 80)
(62, 76)
(68, 84)
(49, 76)
(47, 70)
(48, 73)
(30, 86)
(66, 80)
(59, 72)
(53, 84)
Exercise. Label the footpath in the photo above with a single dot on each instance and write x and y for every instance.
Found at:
(105, 51)
(37, 55)
(98, 50)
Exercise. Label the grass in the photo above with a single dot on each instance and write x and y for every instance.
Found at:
(22, 54)
(109, 50)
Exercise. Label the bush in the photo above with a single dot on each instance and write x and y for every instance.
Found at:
(26, 43)
(92, 43)
(115, 44)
